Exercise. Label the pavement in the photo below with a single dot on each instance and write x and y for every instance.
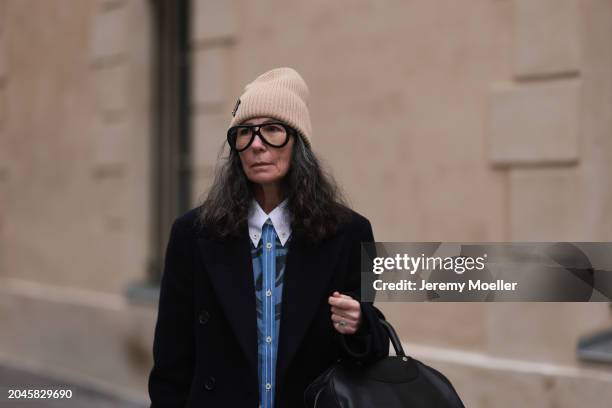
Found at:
(11, 378)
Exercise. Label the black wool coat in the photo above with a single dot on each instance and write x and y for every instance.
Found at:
(205, 344)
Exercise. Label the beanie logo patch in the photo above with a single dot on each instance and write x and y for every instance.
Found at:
(236, 107)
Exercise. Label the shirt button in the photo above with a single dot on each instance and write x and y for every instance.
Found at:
(204, 316)
(268, 292)
(209, 384)
(269, 339)
(268, 386)
(269, 245)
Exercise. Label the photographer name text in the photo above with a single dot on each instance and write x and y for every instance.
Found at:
(471, 285)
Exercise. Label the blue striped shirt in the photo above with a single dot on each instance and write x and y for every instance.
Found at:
(268, 269)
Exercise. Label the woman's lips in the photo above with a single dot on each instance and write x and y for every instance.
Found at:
(261, 164)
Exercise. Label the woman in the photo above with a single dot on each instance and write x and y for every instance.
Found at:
(261, 286)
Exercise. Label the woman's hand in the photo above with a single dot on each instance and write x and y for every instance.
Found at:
(346, 313)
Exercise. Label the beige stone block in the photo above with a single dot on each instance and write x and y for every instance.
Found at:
(487, 382)
(3, 71)
(211, 75)
(50, 331)
(542, 331)
(109, 33)
(546, 204)
(4, 177)
(111, 88)
(5, 184)
(3, 75)
(3, 103)
(534, 123)
(208, 138)
(213, 19)
(107, 5)
(5, 155)
(110, 143)
(454, 325)
(2, 14)
(202, 181)
(548, 37)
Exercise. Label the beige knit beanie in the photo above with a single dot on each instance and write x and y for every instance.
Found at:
(280, 93)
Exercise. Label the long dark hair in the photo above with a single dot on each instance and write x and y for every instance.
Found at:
(315, 202)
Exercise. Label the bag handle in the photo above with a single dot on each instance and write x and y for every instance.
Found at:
(397, 345)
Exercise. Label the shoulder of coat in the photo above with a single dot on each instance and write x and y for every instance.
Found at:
(189, 222)
(355, 221)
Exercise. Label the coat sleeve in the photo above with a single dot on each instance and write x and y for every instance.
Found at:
(173, 345)
(371, 341)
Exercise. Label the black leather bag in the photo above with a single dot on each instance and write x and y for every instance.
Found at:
(392, 382)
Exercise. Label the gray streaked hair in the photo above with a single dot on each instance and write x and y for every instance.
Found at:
(315, 202)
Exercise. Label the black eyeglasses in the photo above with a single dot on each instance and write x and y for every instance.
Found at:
(275, 134)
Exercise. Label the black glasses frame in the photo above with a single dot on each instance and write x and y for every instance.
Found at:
(233, 132)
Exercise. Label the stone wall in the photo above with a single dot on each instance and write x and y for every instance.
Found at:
(442, 122)
(75, 131)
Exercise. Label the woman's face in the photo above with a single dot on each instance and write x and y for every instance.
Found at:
(264, 164)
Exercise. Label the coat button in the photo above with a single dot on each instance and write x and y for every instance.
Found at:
(204, 316)
(209, 384)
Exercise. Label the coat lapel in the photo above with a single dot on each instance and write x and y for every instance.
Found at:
(230, 270)
(307, 273)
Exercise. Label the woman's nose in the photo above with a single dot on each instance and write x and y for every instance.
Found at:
(258, 144)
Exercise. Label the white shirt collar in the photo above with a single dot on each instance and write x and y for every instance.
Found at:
(279, 217)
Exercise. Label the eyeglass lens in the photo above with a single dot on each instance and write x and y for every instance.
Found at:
(272, 134)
